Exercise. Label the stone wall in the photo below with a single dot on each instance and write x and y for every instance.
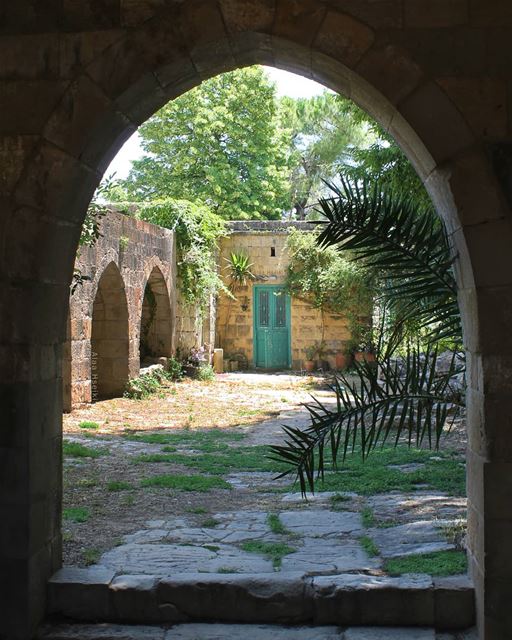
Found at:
(265, 244)
(105, 312)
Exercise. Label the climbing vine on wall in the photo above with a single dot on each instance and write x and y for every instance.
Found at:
(197, 230)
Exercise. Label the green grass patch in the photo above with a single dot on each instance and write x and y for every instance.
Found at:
(75, 514)
(368, 517)
(222, 460)
(437, 563)
(195, 439)
(369, 546)
(77, 450)
(275, 551)
(186, 483)
(88, 424)
(197, 510)
(91, 556)
(211, 547)
(275, 524)
(445, 473)
(119, 485)
(210, 523)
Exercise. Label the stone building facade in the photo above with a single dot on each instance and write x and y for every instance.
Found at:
(264, 243)
(124, 311)
(77, 78)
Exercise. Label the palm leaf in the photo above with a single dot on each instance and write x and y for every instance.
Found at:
(403, 400)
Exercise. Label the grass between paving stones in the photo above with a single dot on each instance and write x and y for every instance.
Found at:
(443, 471)
(210, 523)
(275, 551)
(75, 514)
(185, 483)
(368, 517)
(77, 450)
(220, 459)
(369, 546)
(437, 563)
(275, 524)
(88, 424)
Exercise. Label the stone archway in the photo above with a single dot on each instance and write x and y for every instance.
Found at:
(434, 74)
(109, 337)
(156, 321)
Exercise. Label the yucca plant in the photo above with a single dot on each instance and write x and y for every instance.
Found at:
(239, 270)
(404, 398)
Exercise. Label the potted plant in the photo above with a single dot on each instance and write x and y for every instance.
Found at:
(309, 363)
(198, 356)
(321, 352)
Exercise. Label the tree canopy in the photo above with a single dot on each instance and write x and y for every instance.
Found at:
(218, 144)
(322, 133)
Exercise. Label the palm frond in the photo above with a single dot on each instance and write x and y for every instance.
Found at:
(401, 400)
(408, 247)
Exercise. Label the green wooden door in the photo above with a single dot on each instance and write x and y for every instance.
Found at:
(271, 328)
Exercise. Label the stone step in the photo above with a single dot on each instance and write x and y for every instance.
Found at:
(201, 631)
(96, 594)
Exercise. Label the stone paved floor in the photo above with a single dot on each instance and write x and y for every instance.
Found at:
(324, 541)
(242, 632)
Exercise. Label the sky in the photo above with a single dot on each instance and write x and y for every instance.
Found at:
(287, 84)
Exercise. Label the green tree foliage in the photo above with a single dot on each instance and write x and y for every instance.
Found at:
(218, 144)
(322, 133)
(328, 280)
(197, 230)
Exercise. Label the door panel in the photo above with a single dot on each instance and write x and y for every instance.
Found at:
(271, 327)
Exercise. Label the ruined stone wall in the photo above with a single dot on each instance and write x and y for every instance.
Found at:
(136, 251)
(259, 240)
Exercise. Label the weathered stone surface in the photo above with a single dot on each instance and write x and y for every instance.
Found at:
(80, 593)
(321, 523)
(415, 537)
(317, 556)
(134, 599)
(251, 632)
(366, 600)
(393, 633)
(454, 602)
(100, 632)
(245, 598)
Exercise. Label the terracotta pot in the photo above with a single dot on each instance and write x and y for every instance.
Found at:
(309, 365)
(364, 356)
(342, 360)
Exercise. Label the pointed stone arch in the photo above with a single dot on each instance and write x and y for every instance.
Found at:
(109, 336)
(156, 320)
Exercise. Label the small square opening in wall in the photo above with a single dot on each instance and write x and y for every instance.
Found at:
(272, 252)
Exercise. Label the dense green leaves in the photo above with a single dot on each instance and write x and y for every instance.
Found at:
(217, 144)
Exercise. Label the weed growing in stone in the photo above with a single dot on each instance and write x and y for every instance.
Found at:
(211, 547)
(88, 424)
(210, 523)
(275, 524)
(369, 546)
(198, 510)
(368, 517)
(75, 514)
(437, 563)
(77, 450)
(275, 551)
(91, 556)
(186, 483)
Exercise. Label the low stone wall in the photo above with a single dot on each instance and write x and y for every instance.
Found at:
(130, 278)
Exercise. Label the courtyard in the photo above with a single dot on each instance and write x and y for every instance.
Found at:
(183, 482)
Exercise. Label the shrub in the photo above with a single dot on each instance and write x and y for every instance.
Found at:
(174, 369)
(206, 373)
(145, 385)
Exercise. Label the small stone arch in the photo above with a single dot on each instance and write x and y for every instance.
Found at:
(156, 321)
(109, 336)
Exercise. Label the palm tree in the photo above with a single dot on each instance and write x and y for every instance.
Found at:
(405, 397)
